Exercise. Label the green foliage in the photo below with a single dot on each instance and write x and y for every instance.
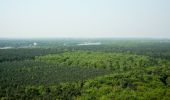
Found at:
(114, 61)
(37, 73)
(115, 70)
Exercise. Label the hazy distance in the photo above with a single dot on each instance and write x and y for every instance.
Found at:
(84, 18)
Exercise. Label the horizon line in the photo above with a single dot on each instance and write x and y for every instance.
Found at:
(84, 38)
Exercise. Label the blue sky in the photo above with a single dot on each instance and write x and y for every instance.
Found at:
(84, 18)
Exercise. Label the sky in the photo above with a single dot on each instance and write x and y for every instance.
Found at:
(84, 18)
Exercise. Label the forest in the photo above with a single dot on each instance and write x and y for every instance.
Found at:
(98, 69)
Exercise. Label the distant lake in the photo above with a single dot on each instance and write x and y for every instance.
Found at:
(6, 47)
(90, 43)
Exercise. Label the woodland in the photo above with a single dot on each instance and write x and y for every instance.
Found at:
(59, 69)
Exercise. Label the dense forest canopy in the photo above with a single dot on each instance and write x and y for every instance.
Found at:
(98, 69)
